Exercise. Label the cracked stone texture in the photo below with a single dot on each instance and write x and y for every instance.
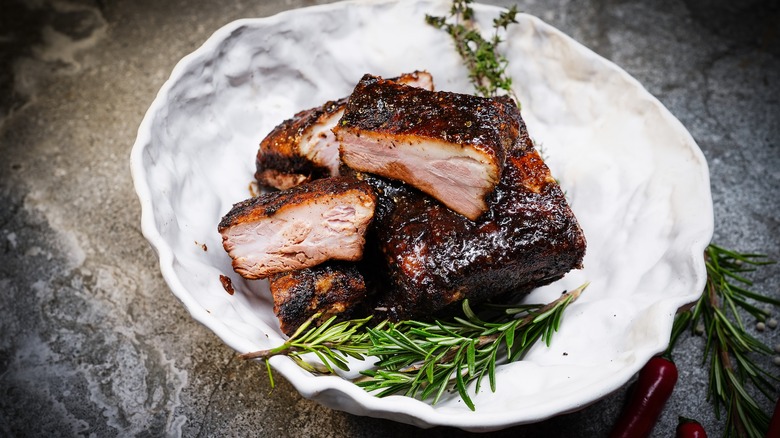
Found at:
(93, 343)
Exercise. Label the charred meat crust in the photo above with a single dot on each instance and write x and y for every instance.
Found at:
(435, 257)
(297, 170)
(383, 115)
(269, 203)
(332, 288)
(385, 106)
(279, 151)
(298, 228)
(281, 163)
(420, 257)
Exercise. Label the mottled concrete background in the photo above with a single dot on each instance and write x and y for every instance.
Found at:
(91, 340)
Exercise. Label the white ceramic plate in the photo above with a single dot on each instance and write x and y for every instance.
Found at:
(634, 176)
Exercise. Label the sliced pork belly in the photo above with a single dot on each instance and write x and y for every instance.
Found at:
(434, 258)
(304, 148)
(301, 148)
(299, 227)
(332, 288)
(451, 146)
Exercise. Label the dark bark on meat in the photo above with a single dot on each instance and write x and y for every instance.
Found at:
(299, 227)
(332, 288)
(434, 257)
(303, 148)
(269, 203)
(394, 109)
(421, 258)
(280, 161)
(451, 146)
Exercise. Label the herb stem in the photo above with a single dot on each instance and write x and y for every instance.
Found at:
(728, 345)
(487, 67)
(424, 359)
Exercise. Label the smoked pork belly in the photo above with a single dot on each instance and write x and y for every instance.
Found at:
(304, 147)
(431, 258)
(297, 228)
(451, 146)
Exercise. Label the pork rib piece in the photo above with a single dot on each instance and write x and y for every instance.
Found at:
(435, 258)
(301, 148)
(304, 148)
(332, 289)
(451, 146)
(299, 227)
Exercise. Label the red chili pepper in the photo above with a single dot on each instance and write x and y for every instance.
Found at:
(647, 399)
(687, 428)
(774, 424)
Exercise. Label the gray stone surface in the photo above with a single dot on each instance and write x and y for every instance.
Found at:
(91, 340)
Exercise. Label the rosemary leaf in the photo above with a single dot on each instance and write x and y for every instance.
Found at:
(469, 356)
(729, 348)
(424, 359)
(509, 339)
(726, 337)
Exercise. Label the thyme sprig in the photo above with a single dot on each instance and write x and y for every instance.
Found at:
(729, 346)
(487, 67)
(425, 359)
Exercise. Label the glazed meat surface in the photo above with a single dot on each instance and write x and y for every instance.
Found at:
(332, 288)
(435, 257)
(304, 148)
(442, 197)
(299, 227)
(451, 146)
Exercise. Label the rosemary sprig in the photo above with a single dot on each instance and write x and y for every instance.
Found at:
(728, 345)
(487, 67)
(332, 342)
(425, 359)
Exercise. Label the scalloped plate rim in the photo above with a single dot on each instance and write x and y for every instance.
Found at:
(412, 411)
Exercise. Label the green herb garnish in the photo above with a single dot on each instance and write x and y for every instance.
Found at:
(728, 345)
(487, 67)
(425, 359)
